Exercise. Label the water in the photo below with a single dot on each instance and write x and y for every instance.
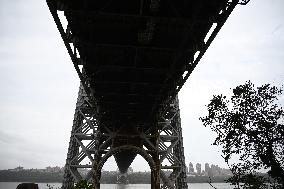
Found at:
(13, 185)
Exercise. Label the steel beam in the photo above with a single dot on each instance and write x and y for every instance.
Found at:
(171, 151)
(83, 141)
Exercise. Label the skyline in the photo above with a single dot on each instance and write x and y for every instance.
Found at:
(39, 85)
(203, 167)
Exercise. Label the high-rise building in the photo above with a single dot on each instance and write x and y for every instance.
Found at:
(190, 168)
(216, 170)
(207, 169)
(198, 169)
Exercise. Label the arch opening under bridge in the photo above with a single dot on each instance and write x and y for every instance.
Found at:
(154, 165)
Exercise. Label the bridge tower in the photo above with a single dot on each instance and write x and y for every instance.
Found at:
(162, 146)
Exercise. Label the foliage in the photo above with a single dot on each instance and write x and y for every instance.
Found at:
(30, 176)
(83, 184)
(249, 127)
(250, 180)
(51, 187)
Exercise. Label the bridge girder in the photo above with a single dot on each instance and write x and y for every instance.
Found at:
(98, 39)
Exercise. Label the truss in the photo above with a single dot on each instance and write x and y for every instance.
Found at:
(92, 144)
(83, 142)
(173, 169)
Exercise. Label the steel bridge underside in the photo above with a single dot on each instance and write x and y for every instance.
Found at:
(133, 56)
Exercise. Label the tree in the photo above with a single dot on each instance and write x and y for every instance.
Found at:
(83, 184)
(249, 127)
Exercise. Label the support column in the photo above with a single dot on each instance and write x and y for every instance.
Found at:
(173, 169)
(83, 142)
(179, 150)
(155, 181)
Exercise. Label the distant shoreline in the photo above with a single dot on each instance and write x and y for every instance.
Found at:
(107, 177)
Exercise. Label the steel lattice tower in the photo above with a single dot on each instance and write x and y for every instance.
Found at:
(86, 142)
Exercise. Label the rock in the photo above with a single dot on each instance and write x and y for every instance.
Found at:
(27, 186)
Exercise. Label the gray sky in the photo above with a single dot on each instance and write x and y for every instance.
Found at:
(39, 84)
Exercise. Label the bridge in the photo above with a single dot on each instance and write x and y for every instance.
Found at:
(132, 58)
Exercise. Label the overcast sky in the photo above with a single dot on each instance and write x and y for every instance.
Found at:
(39, 84)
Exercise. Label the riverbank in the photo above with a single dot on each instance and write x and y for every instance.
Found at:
(107, 177)
(13, 185)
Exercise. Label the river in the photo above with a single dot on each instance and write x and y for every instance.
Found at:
(13, 185)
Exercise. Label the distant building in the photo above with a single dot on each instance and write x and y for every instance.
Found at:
(33, 170)
(215, 170)
(207, 169)
(53, 169)
(226, 172)
(17, 169)
(190, 168)
(83, 171)
(129, 170)
(198, 169)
